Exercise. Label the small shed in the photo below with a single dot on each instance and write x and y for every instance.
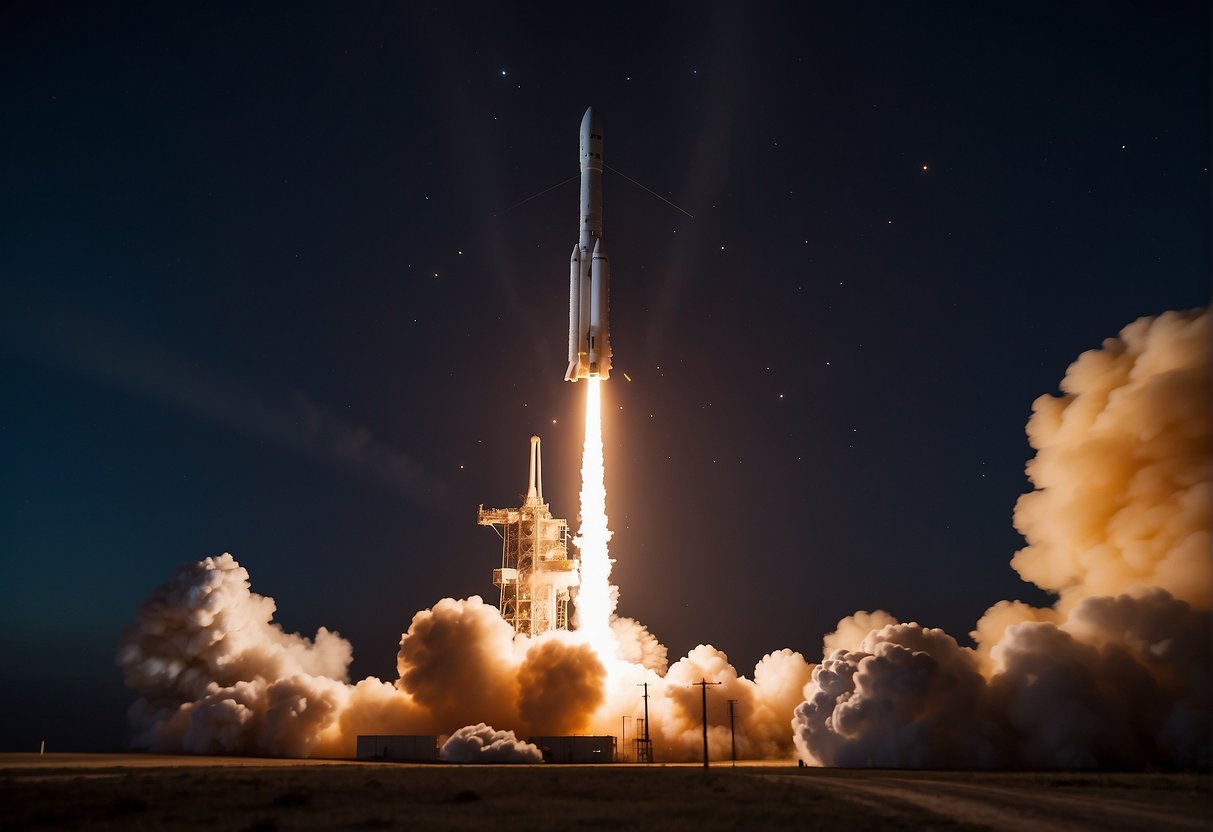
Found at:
(576, 749)
(400, 748)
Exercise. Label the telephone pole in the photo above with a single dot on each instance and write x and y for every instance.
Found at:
(702, 684)
(647, 753)
(733, 730)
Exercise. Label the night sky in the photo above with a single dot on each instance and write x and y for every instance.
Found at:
(264, 291)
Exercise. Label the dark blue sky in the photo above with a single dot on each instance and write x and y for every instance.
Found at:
(261, 293)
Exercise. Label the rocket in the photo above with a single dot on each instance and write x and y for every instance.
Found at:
(589, 268)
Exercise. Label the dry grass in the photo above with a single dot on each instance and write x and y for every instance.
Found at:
(259, 795)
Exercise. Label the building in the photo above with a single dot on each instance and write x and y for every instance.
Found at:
(575, 749)
(399, 748)
(536, 572)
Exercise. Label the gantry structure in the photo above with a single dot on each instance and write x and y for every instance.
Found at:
(536, 572)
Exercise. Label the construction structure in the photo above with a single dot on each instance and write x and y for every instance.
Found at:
(536, 572)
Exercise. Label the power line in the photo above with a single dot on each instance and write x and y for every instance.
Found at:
(646, 750)
(541, 193)
(650, 190)
(702, 684)
(733, 730)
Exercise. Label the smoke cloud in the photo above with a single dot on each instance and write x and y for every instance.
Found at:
(1121, 471)
(458, 661)
(560, 686)
(638, 646)
(481, 743)
(216, 675)
(1116, 674)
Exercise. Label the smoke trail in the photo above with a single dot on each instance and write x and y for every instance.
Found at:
(596, 598)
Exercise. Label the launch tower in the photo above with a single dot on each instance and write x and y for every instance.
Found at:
(536, 571)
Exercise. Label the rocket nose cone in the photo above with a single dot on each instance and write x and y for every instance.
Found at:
(590, 122)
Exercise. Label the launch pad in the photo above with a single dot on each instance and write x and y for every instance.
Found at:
(536, 573)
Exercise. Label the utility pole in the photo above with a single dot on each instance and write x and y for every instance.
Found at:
(702, 684)
(733, 730)
(648, 747)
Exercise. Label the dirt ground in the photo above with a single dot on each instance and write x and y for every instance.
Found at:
(149, 792)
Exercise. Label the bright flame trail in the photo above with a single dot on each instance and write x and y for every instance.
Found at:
(596, 598)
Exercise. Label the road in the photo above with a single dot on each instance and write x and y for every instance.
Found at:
(1031, 804)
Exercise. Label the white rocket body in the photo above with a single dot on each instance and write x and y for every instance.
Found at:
(589, 268)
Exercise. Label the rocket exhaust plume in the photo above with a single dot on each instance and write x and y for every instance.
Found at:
(596, 598)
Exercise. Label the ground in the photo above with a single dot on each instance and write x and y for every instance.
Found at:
(155, 792)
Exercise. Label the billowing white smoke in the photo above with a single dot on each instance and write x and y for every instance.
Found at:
(1121, 472)
(905, 696)
(1117, 673)
(481, 743)
(638, 646)
(216, 675)
(761, 705)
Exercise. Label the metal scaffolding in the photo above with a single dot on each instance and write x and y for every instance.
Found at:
(536, 571)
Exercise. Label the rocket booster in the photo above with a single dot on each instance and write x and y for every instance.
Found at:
(589, 268)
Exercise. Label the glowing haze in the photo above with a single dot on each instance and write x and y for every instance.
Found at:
(1115, 674)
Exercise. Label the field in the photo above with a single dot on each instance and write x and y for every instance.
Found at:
(147, 792)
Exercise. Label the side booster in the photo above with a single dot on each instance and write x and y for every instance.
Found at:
(589, 268)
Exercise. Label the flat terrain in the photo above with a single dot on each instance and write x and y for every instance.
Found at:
(135, 791)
